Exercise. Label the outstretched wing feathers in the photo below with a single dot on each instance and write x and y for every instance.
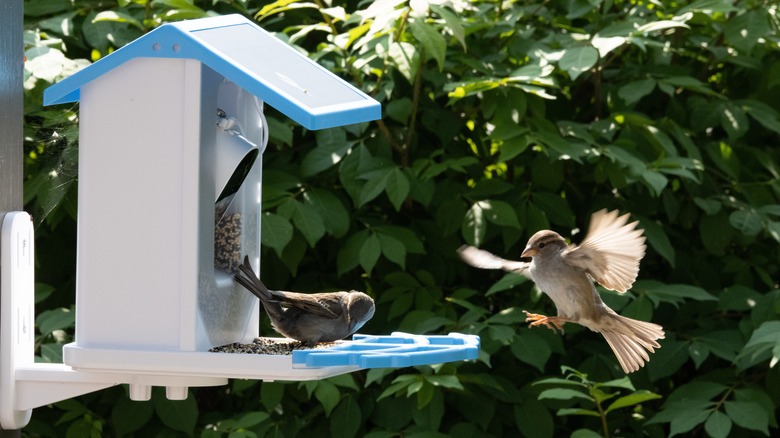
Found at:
(611, 251)
(482, 259)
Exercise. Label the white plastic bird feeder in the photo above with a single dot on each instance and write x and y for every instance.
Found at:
(171, 138)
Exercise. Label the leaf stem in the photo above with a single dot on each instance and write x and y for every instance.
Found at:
(722, 400)
(328, 21)
(603, 416)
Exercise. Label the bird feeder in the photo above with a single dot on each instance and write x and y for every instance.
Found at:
(171, 139)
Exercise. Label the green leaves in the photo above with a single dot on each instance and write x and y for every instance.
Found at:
(390, 180)
(763, 342)
(129, 416)
(748, 414)
(431, 39)
(762, 113)
(500, 119)
(346, 418)
(718, 425)
(632, 399)
(531, 349)
(364, 248)
(406, 59)
(305, 218)
(481, 213)
(658, 240)
(276, 231)
(576, 387)
(565, 394)
(715, 405)
(422, 386)
(332, 146)
(366, 177)
(634, 91)
(119, 17)
(55, 319)
(179, 415)
(369, 252)
(331, 209)
(336, 397)
(578, 60)
(327, 394)
(746, 30)
(239, 426)
(674, 294)
(751, 221)
(746, 221)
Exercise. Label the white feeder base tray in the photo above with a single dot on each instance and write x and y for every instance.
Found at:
(267, 367)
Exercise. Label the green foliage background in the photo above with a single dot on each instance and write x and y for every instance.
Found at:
(500, 119)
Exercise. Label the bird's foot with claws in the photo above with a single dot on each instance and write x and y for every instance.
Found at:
(551, 322)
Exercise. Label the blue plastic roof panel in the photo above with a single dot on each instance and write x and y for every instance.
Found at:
(247, 55)
(394, 351)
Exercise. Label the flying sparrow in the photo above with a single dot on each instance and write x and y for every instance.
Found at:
(610, 254)
(309, 318)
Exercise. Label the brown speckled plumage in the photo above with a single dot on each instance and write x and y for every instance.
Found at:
(610, 255)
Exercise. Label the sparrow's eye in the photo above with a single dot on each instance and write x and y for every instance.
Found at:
(541, 245)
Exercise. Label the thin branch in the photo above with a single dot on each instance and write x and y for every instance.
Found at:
(385, 131)
(325, 17)
(413, 117)
(597, 91)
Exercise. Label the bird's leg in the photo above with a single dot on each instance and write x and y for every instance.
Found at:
(551, 322)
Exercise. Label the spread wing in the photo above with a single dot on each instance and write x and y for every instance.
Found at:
(485, 260)
(611, 250)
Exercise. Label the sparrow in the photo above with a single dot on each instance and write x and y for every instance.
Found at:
(309, 318)
(610, 255)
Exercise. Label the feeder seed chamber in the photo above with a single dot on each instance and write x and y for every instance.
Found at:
(171, 139)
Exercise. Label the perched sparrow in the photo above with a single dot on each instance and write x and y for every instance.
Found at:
(309, 318)
(609, 254)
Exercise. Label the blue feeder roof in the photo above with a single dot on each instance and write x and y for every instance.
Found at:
(395, 351)
(247, 55)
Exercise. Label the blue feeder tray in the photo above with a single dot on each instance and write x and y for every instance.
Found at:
(394, 351)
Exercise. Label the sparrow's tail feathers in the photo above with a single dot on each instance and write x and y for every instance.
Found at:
(246, 277)
(631, 340)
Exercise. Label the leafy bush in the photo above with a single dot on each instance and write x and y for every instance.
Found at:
(500, 119)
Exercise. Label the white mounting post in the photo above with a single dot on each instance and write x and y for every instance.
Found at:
(17, 330)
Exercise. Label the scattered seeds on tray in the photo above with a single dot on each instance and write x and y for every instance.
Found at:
(283, 347)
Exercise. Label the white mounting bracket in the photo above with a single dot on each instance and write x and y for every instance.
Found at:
(26, 384)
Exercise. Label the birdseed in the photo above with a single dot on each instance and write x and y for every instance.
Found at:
(227, 242)
(282, 347)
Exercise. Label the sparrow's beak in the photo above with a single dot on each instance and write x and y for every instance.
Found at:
(528, 252)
